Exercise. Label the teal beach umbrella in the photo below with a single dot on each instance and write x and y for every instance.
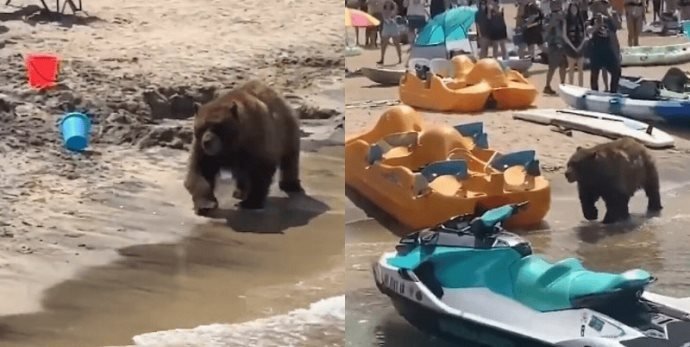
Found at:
(451, 25)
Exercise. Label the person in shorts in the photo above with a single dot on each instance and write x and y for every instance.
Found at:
(634, 17)
(555, 46)
(390, 30)
(375, 9)
(416, 17)
(574, 42)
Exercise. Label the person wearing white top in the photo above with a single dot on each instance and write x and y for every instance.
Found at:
(416, 16)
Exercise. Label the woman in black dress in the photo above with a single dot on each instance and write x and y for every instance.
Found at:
(533, 31)
(574, 30)
(498, 32)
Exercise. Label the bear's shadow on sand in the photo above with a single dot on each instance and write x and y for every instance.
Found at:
(281, 213)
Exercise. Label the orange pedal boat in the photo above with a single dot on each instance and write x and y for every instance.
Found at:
(424, 175)
(460, 85)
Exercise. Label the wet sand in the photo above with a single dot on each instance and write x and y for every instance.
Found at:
(658, 245)
(211, 275)
(101, 246)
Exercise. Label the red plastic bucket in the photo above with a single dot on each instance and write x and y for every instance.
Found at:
(42, 70)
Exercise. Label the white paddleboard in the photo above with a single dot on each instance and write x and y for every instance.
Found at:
(597, 123)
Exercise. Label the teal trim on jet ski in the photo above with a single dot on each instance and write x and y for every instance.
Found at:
(549, 287)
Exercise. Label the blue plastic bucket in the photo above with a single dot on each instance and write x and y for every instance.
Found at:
(75, 128)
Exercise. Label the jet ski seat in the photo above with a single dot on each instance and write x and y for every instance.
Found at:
(549, 287)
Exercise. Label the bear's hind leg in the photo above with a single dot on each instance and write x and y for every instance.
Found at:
(289, 173)
(616, 208)
(260, 178)
(651, 189)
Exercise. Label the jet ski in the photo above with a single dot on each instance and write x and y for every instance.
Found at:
(468, 279)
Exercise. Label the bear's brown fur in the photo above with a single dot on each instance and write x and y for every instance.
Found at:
(250, 131)
(614, 171)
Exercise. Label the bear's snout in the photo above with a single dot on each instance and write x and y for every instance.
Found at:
(570, 176)
(210, 143)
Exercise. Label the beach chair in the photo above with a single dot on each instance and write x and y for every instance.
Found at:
(74, 7)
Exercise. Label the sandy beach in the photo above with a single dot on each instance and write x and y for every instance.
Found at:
(98, 247)
(655, 245)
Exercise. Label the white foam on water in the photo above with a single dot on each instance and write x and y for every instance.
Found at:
(324, 317)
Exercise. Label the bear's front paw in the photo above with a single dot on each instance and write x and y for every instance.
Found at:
(291, 186)
(203, 207)
(654, 208)
(251, 205)
(591, 214)
(611, 218)
(239, 194)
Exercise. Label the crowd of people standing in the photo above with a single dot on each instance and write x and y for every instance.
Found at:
(567, 33)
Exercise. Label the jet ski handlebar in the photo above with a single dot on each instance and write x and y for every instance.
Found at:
(487, 223)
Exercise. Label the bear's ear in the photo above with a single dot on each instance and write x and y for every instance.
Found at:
(578, 149)
(234, 109)
(195, 107)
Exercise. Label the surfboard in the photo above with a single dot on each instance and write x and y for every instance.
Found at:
(387, 77)
(601, 124)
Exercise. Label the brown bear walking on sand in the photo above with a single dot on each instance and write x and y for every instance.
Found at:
(614, 171)
(251, 132)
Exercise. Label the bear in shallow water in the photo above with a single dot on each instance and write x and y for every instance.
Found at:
(614, 171)
(250, 131)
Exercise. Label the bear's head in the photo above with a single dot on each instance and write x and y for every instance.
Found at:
(217, 127)
(580, 163)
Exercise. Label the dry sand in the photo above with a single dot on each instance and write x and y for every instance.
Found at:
(505, 133)
(137, 67)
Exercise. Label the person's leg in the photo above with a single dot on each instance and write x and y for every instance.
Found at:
(530, 50)
(630, 25)
(504, 51)
(605, 77)
(594, 76)
(554, 63)
(384, 45)
(563, 66)
(580, 71)
(638, 31)
(614, 68)
(396, 42)
(571, 69)
(483, 47)
(494, 49)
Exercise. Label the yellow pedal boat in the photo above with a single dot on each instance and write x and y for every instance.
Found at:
(423, 175)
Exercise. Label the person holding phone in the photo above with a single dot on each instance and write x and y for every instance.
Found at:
(604, 52)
